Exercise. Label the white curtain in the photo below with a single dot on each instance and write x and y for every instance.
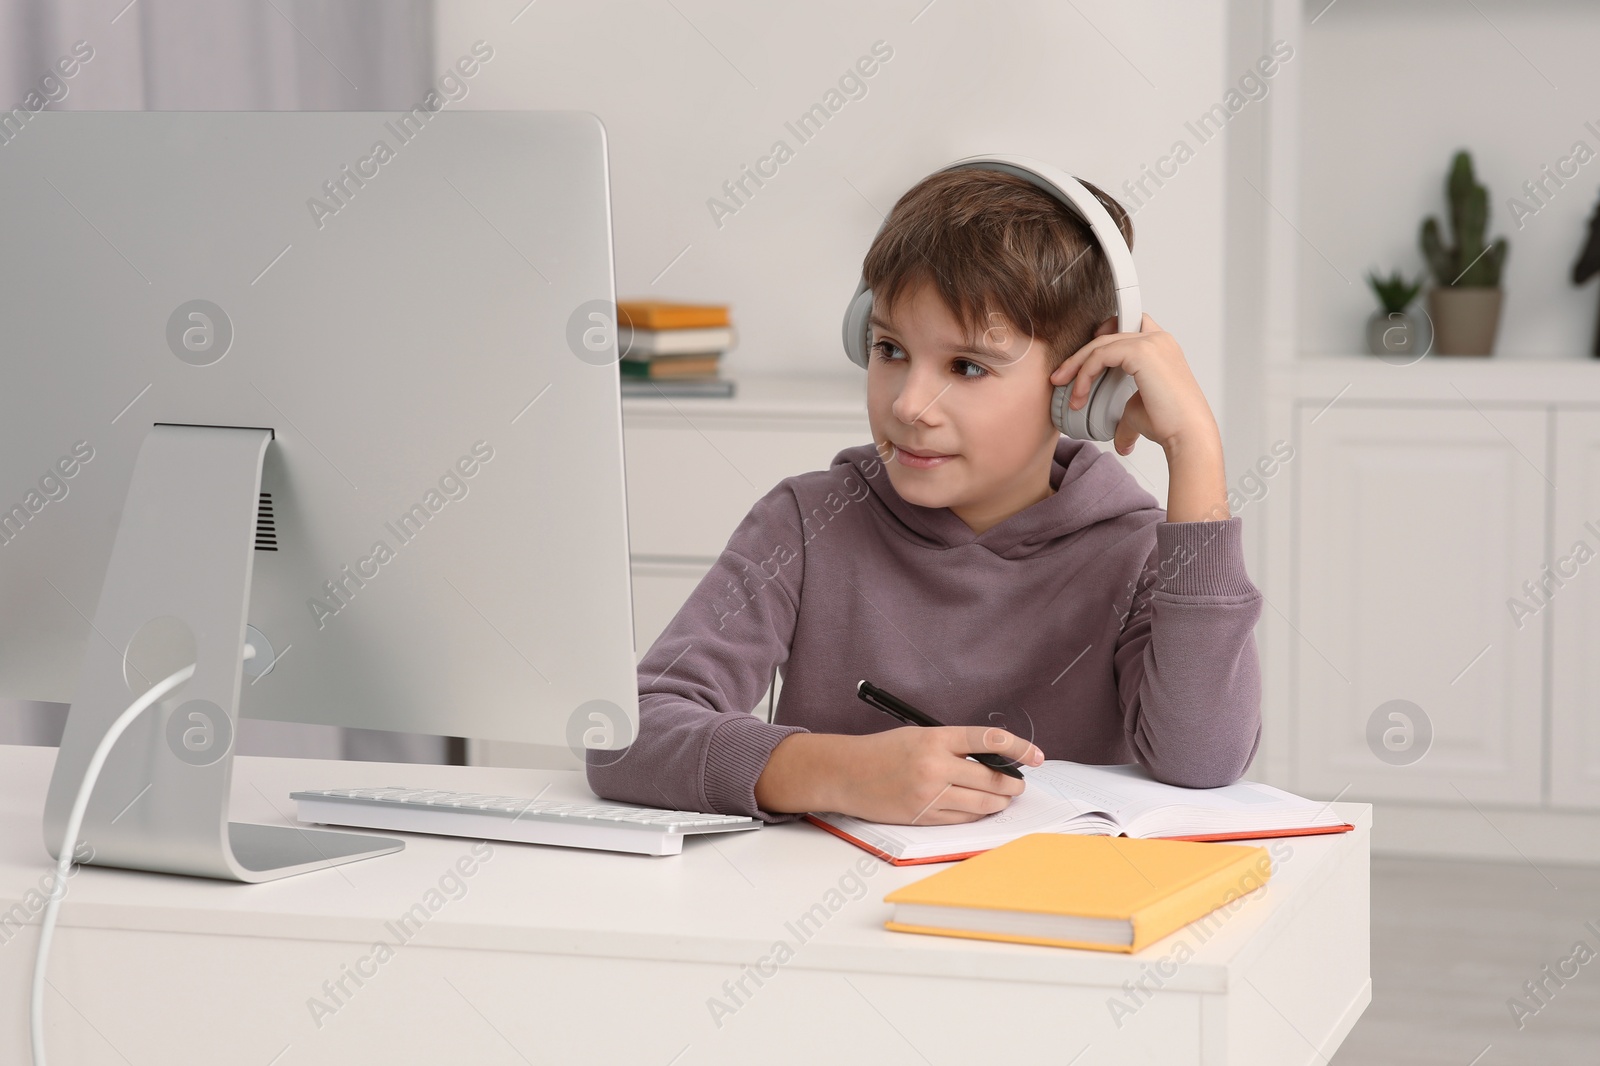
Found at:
(221, 55)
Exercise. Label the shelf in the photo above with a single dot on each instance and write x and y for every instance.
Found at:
(1493, 380)
(830, 397)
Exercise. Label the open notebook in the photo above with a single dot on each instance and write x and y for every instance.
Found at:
(1068, 797)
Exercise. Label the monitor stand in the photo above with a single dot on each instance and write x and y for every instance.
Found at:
(177, 590)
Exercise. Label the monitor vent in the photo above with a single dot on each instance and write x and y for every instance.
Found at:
(266, 531)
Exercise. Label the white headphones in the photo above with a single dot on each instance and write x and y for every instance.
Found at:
(1097, 419)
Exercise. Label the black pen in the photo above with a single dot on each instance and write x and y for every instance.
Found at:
(899, 709)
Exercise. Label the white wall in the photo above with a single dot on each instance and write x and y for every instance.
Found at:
(1390, 92)
(689, 98)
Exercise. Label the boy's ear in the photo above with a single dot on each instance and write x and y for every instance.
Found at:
(1108, 326)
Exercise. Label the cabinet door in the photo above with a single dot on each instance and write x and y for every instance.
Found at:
(1573, 604)
(659, 589)
(1414, 526)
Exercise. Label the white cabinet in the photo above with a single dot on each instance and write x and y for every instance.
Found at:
(696, 467)
(1438, 542)
(695, 470)
(693, 477)
(1414, 526)
(1571, 590)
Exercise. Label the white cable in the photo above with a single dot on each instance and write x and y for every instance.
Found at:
(70, 841)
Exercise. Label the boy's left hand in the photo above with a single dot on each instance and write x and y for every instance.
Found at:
(1169, 407)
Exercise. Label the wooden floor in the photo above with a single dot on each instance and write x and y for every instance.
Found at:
(1453, 941)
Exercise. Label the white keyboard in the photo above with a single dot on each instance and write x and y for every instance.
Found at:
(604, 826)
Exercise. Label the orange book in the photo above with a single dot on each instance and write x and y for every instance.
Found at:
(659, 314)
(1103, 893)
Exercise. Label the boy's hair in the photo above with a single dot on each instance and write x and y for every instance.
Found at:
(991, 241)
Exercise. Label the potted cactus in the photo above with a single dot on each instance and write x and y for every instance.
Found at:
(1465, 301)
(1392, 331)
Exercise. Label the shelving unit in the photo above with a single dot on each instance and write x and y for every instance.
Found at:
(1420, 499)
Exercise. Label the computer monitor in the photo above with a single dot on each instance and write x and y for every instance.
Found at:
(339, 388)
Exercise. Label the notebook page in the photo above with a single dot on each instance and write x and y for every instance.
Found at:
(1036, 810)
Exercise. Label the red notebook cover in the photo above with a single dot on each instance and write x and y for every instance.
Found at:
(886, 857)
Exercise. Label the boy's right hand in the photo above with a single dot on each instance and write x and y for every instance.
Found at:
(922, 776)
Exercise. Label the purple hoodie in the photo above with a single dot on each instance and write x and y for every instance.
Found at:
(1086, 623)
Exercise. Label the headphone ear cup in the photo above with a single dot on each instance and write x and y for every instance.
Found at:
(1076, 423)
(855, 327)
(1066, 419)
(1111, 395)
(1097, 419)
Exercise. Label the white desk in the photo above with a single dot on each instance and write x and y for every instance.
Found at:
(564, 956)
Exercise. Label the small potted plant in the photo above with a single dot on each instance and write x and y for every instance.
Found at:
(1464, 304)
(1392, 331)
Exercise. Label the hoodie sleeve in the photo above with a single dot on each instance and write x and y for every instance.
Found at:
(699, 748)
(1188, 676)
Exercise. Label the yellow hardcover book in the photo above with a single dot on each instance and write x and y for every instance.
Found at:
(658, 314)
(1100, 892)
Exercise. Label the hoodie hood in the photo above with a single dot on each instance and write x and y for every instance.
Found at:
(1091, 486)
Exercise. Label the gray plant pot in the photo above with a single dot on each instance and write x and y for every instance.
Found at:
(1465, 319)
(1398, 335)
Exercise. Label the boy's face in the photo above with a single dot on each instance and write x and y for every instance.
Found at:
(982, 403)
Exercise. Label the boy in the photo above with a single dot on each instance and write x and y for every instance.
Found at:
(1010, 581)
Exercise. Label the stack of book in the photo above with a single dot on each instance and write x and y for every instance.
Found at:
(671, 349)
